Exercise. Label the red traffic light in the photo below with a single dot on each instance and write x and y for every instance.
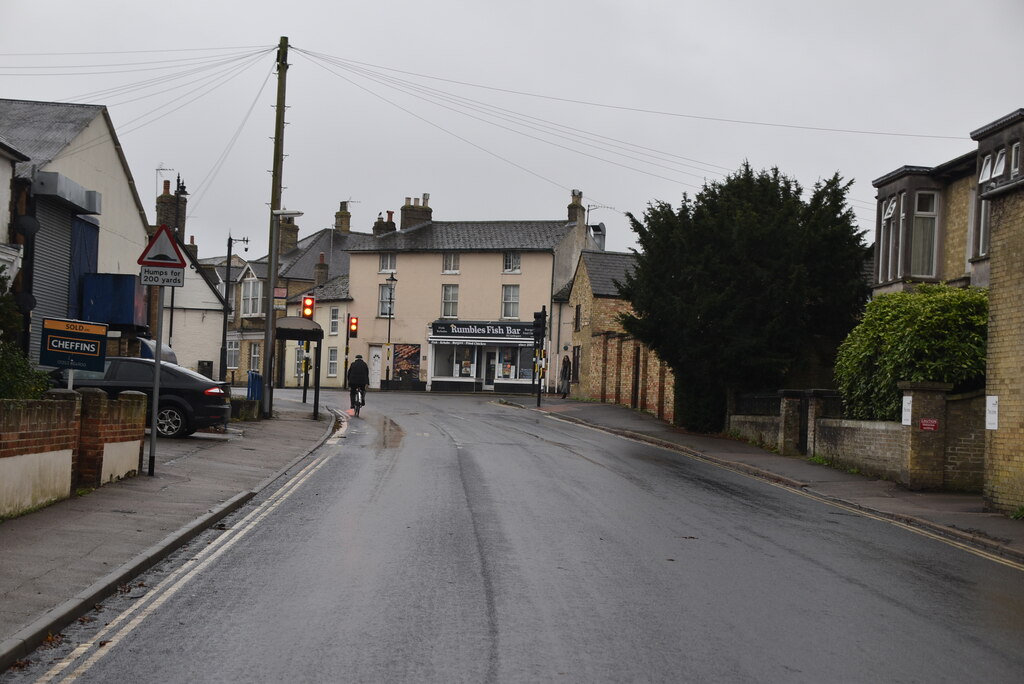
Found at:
(353, 326)
(308, 306)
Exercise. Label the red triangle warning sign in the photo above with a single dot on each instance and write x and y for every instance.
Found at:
(162, 250)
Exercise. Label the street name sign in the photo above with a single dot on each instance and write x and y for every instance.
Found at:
(77, 345)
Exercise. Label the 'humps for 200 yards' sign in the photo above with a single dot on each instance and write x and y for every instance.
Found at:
(79, 345)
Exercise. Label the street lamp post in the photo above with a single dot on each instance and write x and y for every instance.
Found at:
(269, 332)
(227, 311)
(391, 281)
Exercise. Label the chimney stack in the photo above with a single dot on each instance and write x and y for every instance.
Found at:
(343, 219)
(172, 207)
(414, 213)
(192, 247)
(320, 272)
(577, 212)
(381, 227)
(288, 236)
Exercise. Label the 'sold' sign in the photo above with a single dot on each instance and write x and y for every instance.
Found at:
(73, 344)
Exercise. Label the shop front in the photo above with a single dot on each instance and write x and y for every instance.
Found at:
(481, 356)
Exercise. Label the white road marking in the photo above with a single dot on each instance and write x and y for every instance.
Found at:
(114, 632)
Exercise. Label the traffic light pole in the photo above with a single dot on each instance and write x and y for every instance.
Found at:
(540, 321)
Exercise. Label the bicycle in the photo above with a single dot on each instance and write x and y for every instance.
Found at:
(360, 399)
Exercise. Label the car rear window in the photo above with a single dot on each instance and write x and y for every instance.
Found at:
(135, 371)
(181, 370)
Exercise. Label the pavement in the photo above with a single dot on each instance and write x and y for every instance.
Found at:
(57, 563)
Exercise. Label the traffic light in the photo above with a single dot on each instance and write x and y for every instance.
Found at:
(308, 306)
(353, 326)
(539, 326)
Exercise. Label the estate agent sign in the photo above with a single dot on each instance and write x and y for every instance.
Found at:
(77, 345)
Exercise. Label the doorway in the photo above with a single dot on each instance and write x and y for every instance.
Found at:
(490, 367)
(376, 355)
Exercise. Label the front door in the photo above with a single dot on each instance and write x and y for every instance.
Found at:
(490, 367)
(376, 356)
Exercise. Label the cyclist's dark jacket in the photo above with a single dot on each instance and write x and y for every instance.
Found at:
(358, 374)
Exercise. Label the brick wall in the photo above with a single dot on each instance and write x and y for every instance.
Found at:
(956, 201)
(1004, 460)
(608, 370)
(105, 422)
(941, 448)
(761, 430)
(69, 439)
(965, 442)
(874, 448)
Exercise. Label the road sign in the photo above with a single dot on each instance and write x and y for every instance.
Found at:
(77, 345)
(162, 250)
(161, 275)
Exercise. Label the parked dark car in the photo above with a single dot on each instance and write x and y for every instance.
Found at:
(188, 401)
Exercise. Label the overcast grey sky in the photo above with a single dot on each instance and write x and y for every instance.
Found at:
(629, 101)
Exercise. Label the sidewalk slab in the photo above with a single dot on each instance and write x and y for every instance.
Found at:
(58, 561)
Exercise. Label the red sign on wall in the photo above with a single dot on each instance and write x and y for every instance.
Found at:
(930, 424)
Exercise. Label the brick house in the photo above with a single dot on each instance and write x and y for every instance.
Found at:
(1000, 216)
(608, 365)
(962, 222)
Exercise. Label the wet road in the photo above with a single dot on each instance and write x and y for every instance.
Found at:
(448, 539)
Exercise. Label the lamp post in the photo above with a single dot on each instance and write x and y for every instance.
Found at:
(269, 332)
(391, 281)
(227, 311)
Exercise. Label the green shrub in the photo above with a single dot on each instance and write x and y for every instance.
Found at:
(18, 380)
(934, 333)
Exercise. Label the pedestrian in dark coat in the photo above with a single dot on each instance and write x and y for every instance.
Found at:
(565, 376)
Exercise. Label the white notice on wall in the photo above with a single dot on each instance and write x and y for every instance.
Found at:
(992, 413)
(907, 404)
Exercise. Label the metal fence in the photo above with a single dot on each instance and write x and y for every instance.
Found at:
(757, 404)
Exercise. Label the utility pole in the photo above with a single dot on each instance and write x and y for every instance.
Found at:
(269, 338)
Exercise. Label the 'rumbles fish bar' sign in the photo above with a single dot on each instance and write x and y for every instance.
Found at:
(473, 329)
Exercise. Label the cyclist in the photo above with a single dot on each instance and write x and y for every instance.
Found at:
(358, 379)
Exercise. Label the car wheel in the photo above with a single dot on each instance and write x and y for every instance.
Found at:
(171, 422)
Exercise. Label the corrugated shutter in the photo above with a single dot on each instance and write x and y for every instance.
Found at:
(51, 272)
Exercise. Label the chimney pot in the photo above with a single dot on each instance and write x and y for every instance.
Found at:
(391, 216)
(426, 198)
(167, 187)
(321, 257)
(408, 201)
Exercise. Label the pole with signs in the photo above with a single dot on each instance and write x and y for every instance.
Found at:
(162, 265)
(154, 419)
